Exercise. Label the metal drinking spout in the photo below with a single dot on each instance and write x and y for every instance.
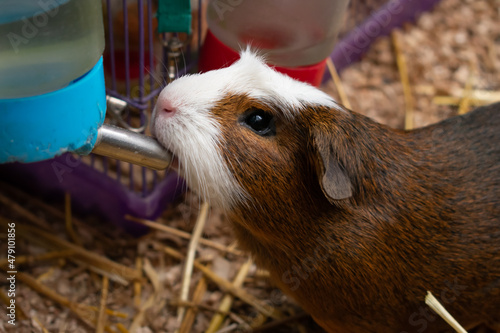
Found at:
(135, 148)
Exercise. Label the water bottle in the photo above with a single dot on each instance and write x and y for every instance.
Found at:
(52, 93)
(46, 44)
(296, 36)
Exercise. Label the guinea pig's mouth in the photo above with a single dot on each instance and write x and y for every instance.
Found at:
(174, 164)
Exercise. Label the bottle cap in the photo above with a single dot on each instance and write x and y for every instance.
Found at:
(214, 55)
(43, 126)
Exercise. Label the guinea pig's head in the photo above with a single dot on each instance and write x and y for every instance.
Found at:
(243, 134)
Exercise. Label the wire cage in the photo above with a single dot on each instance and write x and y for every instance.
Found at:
(138, 63)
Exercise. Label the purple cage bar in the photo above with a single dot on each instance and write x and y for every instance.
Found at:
(388, 17)
(95, 191)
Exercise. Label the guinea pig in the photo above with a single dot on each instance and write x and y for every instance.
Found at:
(356, 221)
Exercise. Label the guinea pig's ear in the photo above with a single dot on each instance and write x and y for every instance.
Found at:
(332, 176)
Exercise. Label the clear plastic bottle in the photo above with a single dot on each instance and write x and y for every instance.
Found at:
(47, 44)
(291, 32)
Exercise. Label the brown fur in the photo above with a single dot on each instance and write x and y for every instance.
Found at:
(424, 215)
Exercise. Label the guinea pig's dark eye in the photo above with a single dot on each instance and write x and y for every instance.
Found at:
(259, 121)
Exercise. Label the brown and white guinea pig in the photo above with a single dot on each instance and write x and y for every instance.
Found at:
(355, 220)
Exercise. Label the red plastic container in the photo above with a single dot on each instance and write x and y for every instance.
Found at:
(214, 54)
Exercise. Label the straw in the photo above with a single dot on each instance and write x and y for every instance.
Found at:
(338, 83)
(188, 267)
(183, 234)
(191, 312)
(227, 301)
(464, 104)
(101, 317)
(228, 287)
(102, 265)
(405, 80)
(69, 220)
(434, 304)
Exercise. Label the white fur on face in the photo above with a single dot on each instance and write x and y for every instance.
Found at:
(194, 136)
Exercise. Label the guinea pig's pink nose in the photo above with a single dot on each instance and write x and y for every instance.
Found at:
(169, 112)
(166, 107)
